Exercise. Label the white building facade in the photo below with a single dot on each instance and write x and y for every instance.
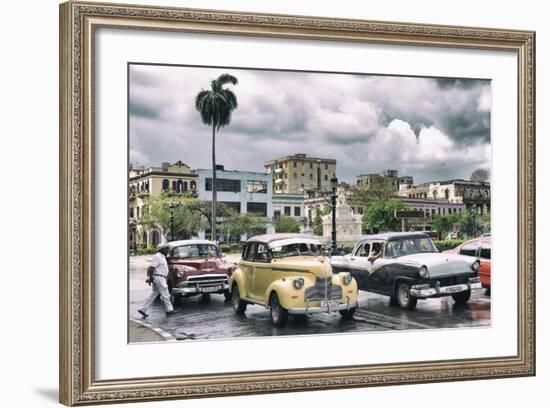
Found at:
(244, 191)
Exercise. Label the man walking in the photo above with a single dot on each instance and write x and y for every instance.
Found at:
(158, 280)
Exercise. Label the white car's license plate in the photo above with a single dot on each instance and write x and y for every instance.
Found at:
(454, 289)
(209, 289)
(330, 303)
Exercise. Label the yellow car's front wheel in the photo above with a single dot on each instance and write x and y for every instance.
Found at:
(239, 306)
(279, 315)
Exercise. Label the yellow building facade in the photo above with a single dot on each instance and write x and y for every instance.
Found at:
(299, 173)
(174, 179)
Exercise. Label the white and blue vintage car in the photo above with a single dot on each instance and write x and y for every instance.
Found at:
(408, 267)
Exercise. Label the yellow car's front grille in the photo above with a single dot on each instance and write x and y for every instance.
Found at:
(322, 290)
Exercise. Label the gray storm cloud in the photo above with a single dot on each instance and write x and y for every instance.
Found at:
(428, 128)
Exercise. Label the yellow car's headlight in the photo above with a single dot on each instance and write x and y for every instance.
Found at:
(298, 283)
(346, 278)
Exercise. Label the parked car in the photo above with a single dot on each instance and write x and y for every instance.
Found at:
(407, 266)
(481, 249)
(288, 274)
(196, 267)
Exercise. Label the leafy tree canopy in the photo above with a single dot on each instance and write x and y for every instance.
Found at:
(379, 215)
(287, 224)
(480, 175)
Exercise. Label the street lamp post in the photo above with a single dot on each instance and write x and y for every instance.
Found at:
(172, 206)
(334, 185)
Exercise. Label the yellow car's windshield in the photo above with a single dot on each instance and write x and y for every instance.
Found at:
(296, 249)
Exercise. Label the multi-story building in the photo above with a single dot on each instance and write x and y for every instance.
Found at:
(475, 195)
(391, 177)
(288, 205)
(298, 173)
(173, 179)
(244, 191)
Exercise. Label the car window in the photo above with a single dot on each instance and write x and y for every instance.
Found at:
(469, 249)
(251, 252)
(485, 251)
(296, 249)
(261, 254)
(409, 246)
(363, 250)
(194, 251)
(376, 248)
(393, 249)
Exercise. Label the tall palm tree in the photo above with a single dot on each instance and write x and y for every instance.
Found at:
(216, 106)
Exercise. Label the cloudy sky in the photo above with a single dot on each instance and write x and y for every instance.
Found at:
(428, 128)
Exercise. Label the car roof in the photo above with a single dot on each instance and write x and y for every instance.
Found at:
(393, 235)
(270, 238)
(172, 244)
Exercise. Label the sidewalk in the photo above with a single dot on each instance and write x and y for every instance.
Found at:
(141, 334)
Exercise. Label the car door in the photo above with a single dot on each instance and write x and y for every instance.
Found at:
(262, 273)
(247, 267)
(374, 266)
(358, 264)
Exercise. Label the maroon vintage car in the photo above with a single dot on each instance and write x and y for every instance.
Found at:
(196, 267)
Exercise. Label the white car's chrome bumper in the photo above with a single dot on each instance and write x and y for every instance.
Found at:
(425, 291)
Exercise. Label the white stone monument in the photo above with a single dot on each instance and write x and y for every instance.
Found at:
(348, 224)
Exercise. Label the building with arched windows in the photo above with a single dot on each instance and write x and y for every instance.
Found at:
(176, 179)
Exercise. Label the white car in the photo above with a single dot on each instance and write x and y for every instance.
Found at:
(408, 267)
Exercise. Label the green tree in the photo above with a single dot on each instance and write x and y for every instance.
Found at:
(380, 189)
(215, 107)
(379, 215)
(480, 175)
(187, 220)
(287, 224)
(444, 223)
(240, 224)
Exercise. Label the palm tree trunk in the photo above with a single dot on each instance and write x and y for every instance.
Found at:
(213, 235)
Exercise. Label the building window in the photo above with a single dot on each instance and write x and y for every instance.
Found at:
(294, 164)
(193, 185)
(257, 208)
(227, 185)
(326, 177)
(131, 213)
(277, 214)
(174, 185)
(297, 212)
(287, 211)
(165, 185)
(311, 176)
(256, 186)
(326, 166)
(310, 165)
(180, 186)
(295, 175)
(185, 186)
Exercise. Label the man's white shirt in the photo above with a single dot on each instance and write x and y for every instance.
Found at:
(159, 263)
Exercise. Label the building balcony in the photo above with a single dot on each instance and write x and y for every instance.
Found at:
(279, 181)
(278, 170)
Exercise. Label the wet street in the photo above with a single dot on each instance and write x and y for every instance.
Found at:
(211, 317)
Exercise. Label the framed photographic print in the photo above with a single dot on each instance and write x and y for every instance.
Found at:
(256, 203)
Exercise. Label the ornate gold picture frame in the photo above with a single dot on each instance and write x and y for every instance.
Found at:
(78, 24)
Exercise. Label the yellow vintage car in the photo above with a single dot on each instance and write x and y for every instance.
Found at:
(288, 274)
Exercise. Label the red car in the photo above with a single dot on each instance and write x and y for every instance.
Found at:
(196, 267)
(480, 248)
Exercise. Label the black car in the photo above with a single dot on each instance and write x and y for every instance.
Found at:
(408, 267)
